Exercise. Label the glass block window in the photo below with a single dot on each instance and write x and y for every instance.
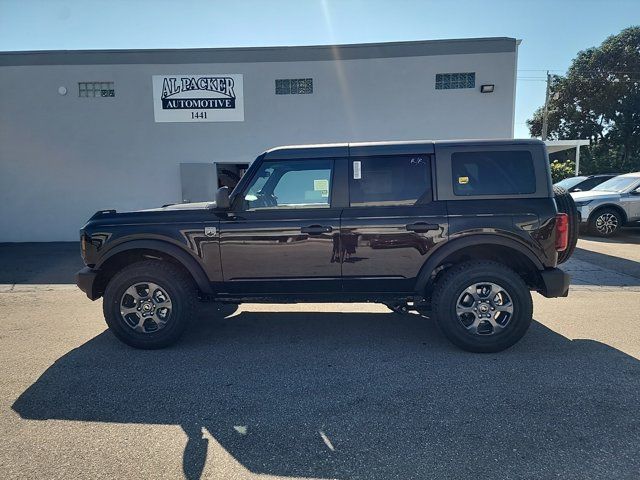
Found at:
(448, 81)
(294, 86)
(96, 89)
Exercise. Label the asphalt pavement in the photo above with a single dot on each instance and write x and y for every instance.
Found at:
(349, 391)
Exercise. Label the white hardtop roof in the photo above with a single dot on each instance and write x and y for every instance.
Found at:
(559, 145)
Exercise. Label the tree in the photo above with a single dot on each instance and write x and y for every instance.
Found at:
(561, 170)
(599, 99)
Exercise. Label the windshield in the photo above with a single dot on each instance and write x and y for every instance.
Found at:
(617, 184)
(570, 182)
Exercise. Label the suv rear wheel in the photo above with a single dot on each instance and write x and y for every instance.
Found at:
(482, 306)
(149, 304)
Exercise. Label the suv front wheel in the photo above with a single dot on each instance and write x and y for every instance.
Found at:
(149, 304)
(482, 306)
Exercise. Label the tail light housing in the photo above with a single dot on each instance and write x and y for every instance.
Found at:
(562, 232)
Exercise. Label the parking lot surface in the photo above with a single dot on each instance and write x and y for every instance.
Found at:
(348, 391)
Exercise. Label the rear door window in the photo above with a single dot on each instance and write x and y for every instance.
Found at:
(389, 180)
(493, 173)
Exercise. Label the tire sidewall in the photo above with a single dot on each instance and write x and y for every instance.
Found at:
(179, 316)
(598, 214)
(454, 330)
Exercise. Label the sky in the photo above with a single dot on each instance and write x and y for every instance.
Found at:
(552, 31)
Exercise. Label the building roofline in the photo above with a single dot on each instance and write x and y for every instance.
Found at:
(261, 54)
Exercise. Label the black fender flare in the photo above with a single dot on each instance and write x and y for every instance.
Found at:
(180, 254)
(450, 247)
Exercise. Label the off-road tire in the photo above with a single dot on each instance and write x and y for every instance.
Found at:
(177, 284)
(593, 229)
(458, 278)
(565, 204)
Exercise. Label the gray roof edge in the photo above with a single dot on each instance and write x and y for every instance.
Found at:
(261, 54)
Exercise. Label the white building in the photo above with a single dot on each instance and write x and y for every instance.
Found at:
(82, 131)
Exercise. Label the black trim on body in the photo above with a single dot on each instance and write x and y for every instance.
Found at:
(452, 246)
(85, 280)
(184, 257)
(555, 283)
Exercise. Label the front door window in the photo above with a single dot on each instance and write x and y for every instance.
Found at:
(290, 184)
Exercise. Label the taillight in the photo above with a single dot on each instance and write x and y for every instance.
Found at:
(562, 232)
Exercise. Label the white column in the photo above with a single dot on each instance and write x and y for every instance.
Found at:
(577, 159)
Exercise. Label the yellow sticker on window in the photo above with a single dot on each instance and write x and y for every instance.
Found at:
(463, 180)
(321, 185)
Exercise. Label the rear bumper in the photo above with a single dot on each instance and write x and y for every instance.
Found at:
(86, 281)
(555, 282)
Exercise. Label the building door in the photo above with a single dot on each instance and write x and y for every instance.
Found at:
(229, 174)
(392, 223)
(284, 229)
(198, 182)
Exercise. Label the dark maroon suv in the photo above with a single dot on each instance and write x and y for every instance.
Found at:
(461, 231)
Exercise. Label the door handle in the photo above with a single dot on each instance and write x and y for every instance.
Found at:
(420, 227)
(316, 229)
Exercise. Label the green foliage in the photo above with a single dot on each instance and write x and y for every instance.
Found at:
(561, 170)
(599, 99)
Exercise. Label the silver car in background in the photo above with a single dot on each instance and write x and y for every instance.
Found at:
(611, 205)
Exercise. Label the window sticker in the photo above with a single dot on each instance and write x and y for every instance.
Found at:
(357, 170)
(322, 186)
(463, 180)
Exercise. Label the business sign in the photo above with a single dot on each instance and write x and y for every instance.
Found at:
(198, 98)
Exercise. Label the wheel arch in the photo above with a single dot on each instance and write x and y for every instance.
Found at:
(611, 206)
(138, 250)
(485, 247)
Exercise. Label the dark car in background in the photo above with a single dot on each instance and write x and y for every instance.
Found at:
(584, 183)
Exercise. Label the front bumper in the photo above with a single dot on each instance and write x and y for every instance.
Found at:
(583, 214)
(555, 282)
(86, 281)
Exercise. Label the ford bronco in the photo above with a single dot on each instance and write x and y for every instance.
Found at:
(461, 231)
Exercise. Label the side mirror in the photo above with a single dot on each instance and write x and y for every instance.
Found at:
(576, 190)
(636, 191)
(222, 198)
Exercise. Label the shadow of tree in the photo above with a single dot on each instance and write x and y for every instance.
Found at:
(390, 396)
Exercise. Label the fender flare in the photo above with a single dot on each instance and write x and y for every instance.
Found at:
(180, 254)
(452, 246)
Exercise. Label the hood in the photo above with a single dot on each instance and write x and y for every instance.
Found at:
(594, 195)
(183, 206)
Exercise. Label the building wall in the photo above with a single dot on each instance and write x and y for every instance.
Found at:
(64, 157)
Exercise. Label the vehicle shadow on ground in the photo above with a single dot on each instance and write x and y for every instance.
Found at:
(39, 263)
(596, 260)
(626, 235)
(361, 396)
